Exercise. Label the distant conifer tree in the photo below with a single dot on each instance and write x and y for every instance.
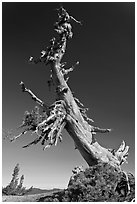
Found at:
(13, 188)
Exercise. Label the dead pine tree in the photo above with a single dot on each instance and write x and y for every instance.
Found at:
(67, 112)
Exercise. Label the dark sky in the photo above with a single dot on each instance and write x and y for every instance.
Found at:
(104, 81)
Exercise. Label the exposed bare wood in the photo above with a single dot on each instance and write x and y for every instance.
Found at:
(67, 111)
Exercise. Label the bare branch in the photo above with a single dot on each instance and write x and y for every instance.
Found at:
(87, 118)
(78, 102)
(122, 153)
(100, 130)
(47, 146)
(33, 142)
(22, 133)
(59, 132)
(122, 147)
(72, 18)
(49, 127)
(66, 71)
(127, 180)
(53, 130)
(50, 118)
(45, 136)
(34, 97)
(83, 110)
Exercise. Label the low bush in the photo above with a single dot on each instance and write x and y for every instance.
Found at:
(100, 183)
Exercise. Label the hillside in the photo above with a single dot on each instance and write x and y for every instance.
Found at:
(40, 191)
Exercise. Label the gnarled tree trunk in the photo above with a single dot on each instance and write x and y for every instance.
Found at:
(67, 111)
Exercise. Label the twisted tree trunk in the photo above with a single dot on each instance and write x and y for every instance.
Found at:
(76, 126)
(67, 111)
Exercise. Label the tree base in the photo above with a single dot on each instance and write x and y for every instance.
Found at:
(100, 183)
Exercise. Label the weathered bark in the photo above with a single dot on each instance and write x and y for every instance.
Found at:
(76, 126)
(67, 112)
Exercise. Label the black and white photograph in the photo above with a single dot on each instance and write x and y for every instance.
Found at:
(68, 101)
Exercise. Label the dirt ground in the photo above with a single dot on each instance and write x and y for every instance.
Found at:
(26, 198)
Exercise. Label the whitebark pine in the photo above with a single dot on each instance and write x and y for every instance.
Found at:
(67, 111)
